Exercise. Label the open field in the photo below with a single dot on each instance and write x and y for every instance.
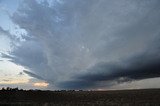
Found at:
(145, 97)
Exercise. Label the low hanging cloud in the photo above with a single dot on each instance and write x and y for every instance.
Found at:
(33, 75)
(136, 68)
(78, 44)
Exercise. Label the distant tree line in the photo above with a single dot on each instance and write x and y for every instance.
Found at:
(16, 89)
(10, 89)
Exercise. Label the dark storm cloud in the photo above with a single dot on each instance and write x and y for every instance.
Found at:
(31, 56)
(140, 71)
(143, 66)
(113, 73)
(33, 75)
(6, 56)
(89, 44)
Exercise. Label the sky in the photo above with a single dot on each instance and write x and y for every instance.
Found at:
(80, 44)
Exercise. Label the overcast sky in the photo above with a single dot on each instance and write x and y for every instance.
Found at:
(80, 44)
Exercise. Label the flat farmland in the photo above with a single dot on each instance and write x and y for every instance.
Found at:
(143, 97)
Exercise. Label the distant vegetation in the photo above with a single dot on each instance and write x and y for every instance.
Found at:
(10, 89)
(16, 97)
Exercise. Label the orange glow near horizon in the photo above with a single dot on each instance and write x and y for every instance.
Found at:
(40, 84)
(15, 81)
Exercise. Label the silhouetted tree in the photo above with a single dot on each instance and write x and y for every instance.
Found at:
(3, 89)
(8, 88)
(14, 89)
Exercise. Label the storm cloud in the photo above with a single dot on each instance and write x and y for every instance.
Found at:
(80, 44)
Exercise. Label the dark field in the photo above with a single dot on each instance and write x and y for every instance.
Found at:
(148, 97)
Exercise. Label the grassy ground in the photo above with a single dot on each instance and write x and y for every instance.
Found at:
(150, 97)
